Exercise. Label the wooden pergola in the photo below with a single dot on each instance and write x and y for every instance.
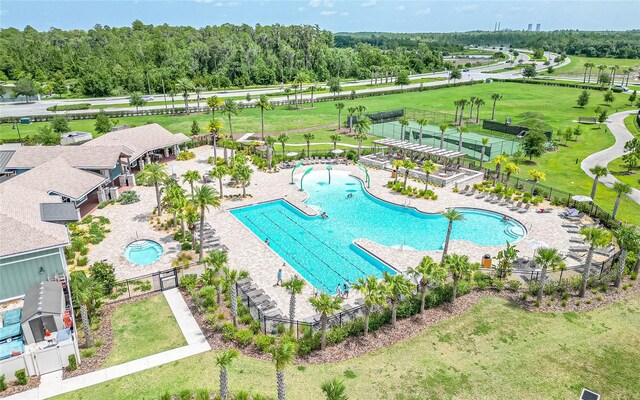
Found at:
(420, 149)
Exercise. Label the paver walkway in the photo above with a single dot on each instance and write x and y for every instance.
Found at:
(52, 384)
(616, 124)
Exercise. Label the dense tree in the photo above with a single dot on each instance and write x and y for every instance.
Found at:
(103, 123)
(597, 171)
(533, 144)
(25, 87)
(59, 85)
(136, 100)
(583, 99)
(60, 124)
(451, 215)
(529, 71)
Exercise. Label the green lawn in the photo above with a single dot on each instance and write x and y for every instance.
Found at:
(493, 351)
(632, 125)
(576, 66)
(143, 328)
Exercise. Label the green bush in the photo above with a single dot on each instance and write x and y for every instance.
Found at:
(205, 297)
(73, 364)
(244, 337)
(228, 331)
(533, 288)
(263, 342)
(184, 395)
(241, 395)
(82, 261)
(21, 376)
(189, 281)
(186, 155)
(105, 274)
(308, 342)
(254, 326)
(129, 197)
(408, 307)
(337, 335)
(3, 384)
(498, 285)
(166, 396)
(483, 284)
(377, 319)
(69, 107)
(87, 353)
(202, 394)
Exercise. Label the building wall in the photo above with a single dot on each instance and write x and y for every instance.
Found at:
(19, 273)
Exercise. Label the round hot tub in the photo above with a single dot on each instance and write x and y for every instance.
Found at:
(143, 252)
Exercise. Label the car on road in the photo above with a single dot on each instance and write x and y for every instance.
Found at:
(147, 98)
(465, 70)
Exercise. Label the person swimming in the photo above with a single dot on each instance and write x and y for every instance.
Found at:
(324, 215)
(350, 195)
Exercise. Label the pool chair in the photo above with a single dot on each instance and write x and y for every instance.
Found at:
(464, 191)
(575, 217)
(579, 248)
(516, 207)
(472, 192)
(497, 199)
(525, 209)
(481, 195)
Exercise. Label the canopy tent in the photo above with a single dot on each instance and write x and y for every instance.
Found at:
(417, 148)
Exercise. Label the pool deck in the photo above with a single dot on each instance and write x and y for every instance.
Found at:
(250, 253)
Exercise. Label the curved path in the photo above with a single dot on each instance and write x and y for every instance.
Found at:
(615, 123)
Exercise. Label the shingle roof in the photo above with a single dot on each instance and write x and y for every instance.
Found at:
(45, 298)
(5, 156)
(94, 157)
(140, 140)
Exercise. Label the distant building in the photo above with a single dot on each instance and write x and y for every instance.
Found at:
(537, 27)
(530, 28)
(75, 137)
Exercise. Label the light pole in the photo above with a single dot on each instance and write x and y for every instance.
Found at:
(16, 127)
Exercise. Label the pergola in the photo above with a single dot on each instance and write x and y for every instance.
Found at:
(420, 149)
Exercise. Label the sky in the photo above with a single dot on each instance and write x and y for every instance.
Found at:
(333, 15)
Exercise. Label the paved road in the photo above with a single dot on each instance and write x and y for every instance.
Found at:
(615, 123)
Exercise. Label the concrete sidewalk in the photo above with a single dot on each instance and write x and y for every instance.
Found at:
(52, 384)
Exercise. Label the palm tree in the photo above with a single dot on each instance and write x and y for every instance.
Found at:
(172, 93)
(452, 215)
(596, 238)
(397, 287)
(335, 138)
(339, 107)
(287, 92)
(597, 172)
(351, 111)
(263, 104)
(479, 102)
(591, 65)
(326, 306)
(232, 276)
(308, 137)
(184, 85)
(428, 272)
(223, 361)
(153, 174)
(495, 97)
(457, 104)
(614, 68)
(203, 197)
(422, 122)
(334, 389)
(294, 287)
(269, 141)
(374, 294)
(363, 124)
(443, 127)
(546, 258)
(219, 172)
(85, 292)
(282, 355)
(191, 217)
(191, 176)
(229, 107)
(459, 267)
(463, 104)
(175, 200)
(198, 89)
(485, 141)
(217, 261)
(213, 102)
(214, 126)
(620, 189)
(510, 168)
(461, 129)
(536, 176)
(498, 161)
(472, 103)
(408, 166)
(600, 69)
(428, 167)
(586, 67)
(628, 239)
(404, 122)
(397, 164)
(242, 173)
(505, 258)
(282, 138)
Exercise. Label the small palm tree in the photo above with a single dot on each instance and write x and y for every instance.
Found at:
(230, 108)
(282, 138)
(282, 355)
(363, 124)
(546, 258)
(213, 102)
(628, 238)
(153, 174)
(339, 107)
(219, 172)
(217, 261)
(422, 122)
(335, 138)
(459, 267)
(536, 176)
(232, 277)
(428, 167)
(184, 85)
(596, 238)
(374, 294)
(495, 97)
(597, 171)
(326, 306)
(269, 141)
(264, 105)
(223, 361)
(404, 122)
(294, 287)
(485, 141)
(452, 215)
(510, 168)
(620, 189)
(308, 137)
(191, 217)
(443, 128)
(85, 292)
(428, 272)
(479, 102)
(408, 166)
(334, 389)
(242, 173)
(498, 161)
(203, 197)
(397, 164)
(461, 129)
(397, 287)
(190, 177)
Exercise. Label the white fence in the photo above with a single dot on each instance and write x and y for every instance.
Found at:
(42, 361)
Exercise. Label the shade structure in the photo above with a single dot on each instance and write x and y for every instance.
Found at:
(337, 151)
(582, 199)
(417, 148)
(292, 154)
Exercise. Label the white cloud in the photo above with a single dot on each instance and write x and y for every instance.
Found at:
(424, 11)
(369, 3)
(233, 4)
(320, 3)
(469, 7)
(400, 8)
(219, 4)
(300, 9)
(204, 1)
(344, 14)
(328, 12)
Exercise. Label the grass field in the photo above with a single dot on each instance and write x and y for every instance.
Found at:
(493, 351)
(143, 328)
(576, 66)
(617, 167)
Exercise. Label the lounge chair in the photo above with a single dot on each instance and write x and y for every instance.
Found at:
(472, 192)
(490, 198)
(463, 191)
(525, 209)
(481, 195)
(516, 207)
(571, 212)
(497, 199)
(576, 217)
(579, 248)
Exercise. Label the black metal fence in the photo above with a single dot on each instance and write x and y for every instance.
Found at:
(144, 284)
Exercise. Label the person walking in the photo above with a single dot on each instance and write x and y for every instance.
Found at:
(279, 281)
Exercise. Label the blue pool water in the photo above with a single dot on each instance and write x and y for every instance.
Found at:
(143, 252)
(322, 250)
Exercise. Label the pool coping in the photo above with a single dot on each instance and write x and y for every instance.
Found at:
(396, 270)
(274, 200)
(124, 251)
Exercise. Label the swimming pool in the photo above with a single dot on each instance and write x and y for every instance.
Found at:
(143, 252)
(322, 250)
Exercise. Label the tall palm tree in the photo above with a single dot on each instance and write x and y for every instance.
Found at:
(404, 122)
(586, 67)
(334, 389)
(536, 176)
(509, 169)
(363, 124)
(326, 306)
(335, 138)
(459, 267)
(591, 65)
(628, 238)
(485, 141)
(495, 97)
(479, 102)
(213, 102)
(223, 361)
(597, 172)
(457, 104)
(172, 93)
(214, 126)
(428, 167)
(85, 292)
(282, 138)
(264, 105)
(203, 197)
(174, 200)
(596, 238)
(184, 85)
(308, 137)
(614, 68)
(443, 128)
(198, 89)
(408, 166)
(282, 355)
(374, 294)
(217, 261)
(461, 129)
(219, 172)
(190, 177)
(339, 107)
(472, 103)
(231, 277)
(153, 174)
(242, 173)
(463, 104)
(600, 69)
(452, 215)
(545, 258)
(397, 287)
(498, 161)
(351, 111)
(191, 217)
(229, 107)
(422, 122)
(620, 189)
(428, 272)
(294, 287)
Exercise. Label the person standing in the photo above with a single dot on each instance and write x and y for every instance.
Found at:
(338, 291)
(279, 281)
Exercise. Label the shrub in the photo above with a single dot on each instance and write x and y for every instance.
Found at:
(254, 326)
(533, 288)
(309, 342)
(3, 384)
(337, 335)
(377, 319)
(244, 337)
(549, 288)
(634, 276)
(186, 155)
(105, 274)
(263, 342)
(206, 297)
(537, 303)
(408, 307)
(185, 246)
(599, 298)
(73, 364)
(498, 285)
(241, 395)
(280, 329)
(189, 281)
(514, 285)
(166, 396)
(228, 331)
(87, 353)
(21, 376)
(245, 319)
(82, 261)
(129, 197)
(202, 394)
(184, 395)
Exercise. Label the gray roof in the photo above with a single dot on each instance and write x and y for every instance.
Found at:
(96, 158)
(45, 298)
(59, 212)
(5, 156)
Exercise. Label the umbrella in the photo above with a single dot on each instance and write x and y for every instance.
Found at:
(292, 154)
(337, 151)
(580, 198)
(537, 244)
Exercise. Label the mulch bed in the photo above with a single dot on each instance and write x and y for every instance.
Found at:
(13, 388)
